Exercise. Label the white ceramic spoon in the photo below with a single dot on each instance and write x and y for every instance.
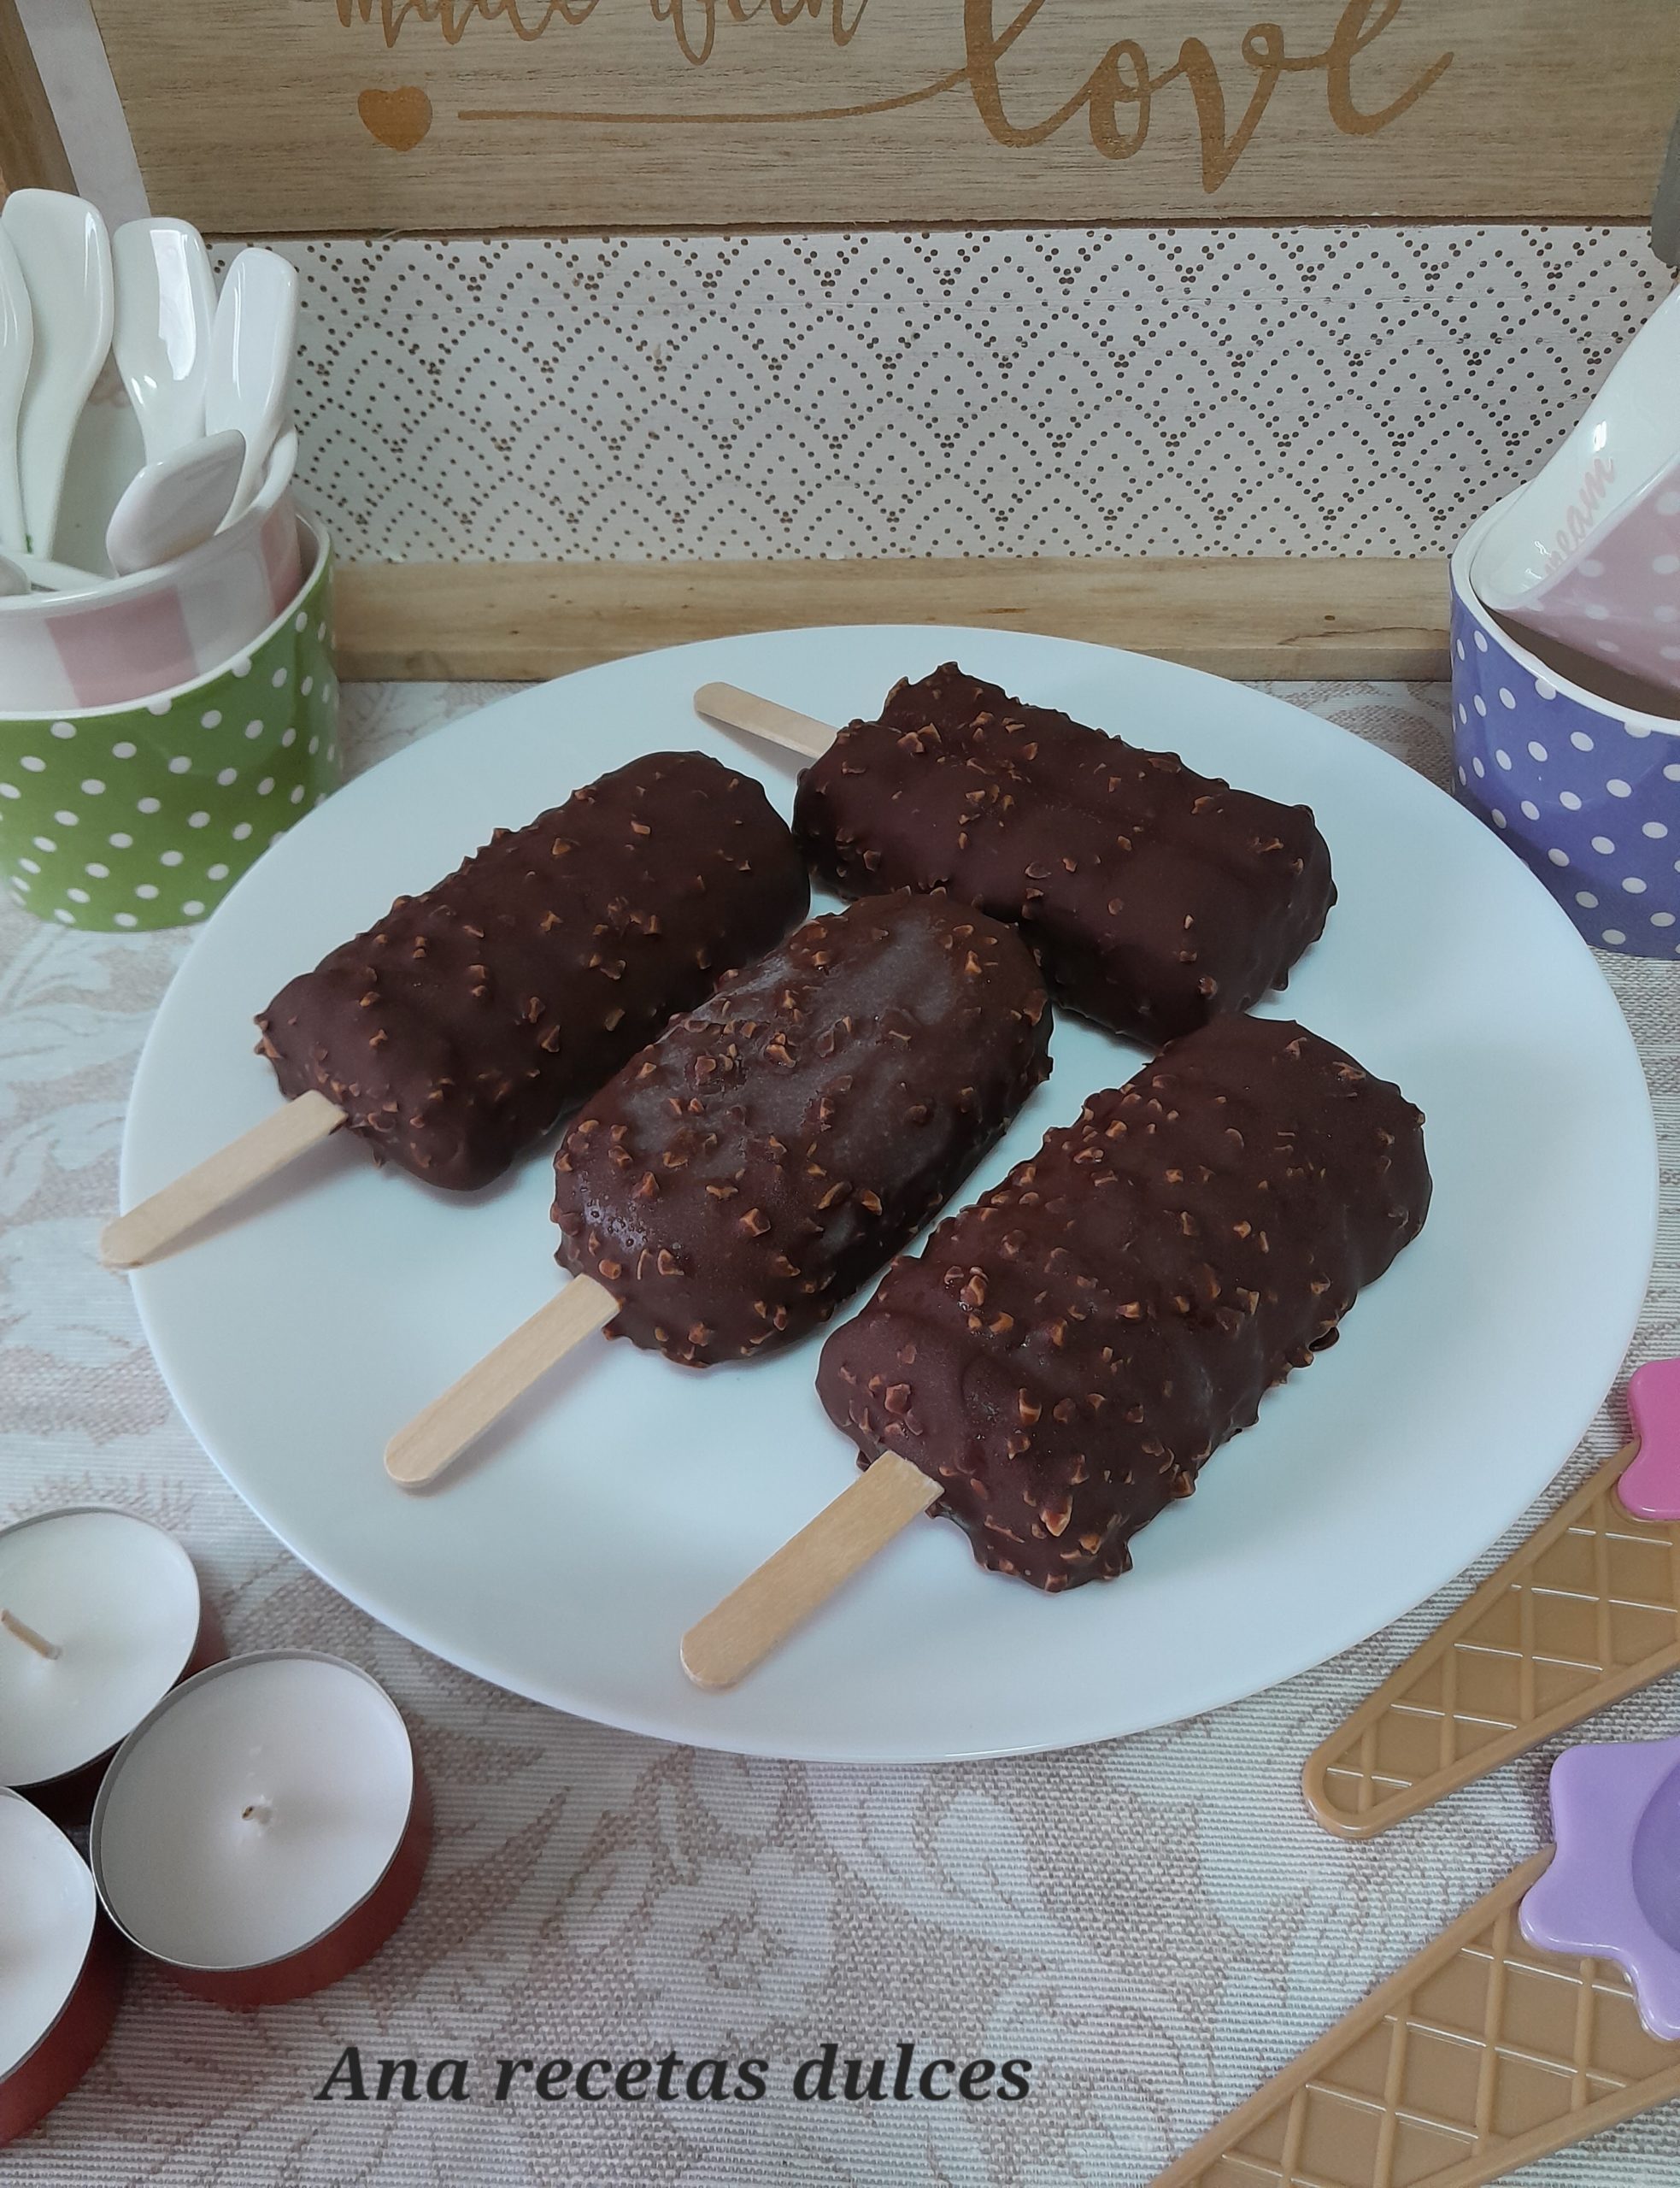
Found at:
(174, 505)
(23, 573)
(66, 257)
(17, 343)
(166, 303)
(252, 345)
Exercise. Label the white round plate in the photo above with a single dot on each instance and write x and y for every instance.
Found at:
(626, 1496)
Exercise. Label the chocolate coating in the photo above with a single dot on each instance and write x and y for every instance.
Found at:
(1153, 898)
(1064, 1356)
(455, 1033)
(737, 1181)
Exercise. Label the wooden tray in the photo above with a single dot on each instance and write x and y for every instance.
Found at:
(1257, 618)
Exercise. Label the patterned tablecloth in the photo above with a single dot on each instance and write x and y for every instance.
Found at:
(1154, 1924)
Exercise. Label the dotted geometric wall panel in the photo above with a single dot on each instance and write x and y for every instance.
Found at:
(1321, 391)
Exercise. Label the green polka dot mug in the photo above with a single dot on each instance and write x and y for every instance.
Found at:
(146, 815)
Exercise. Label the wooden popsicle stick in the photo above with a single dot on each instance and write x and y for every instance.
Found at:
(30, 1638)
(144, 1233)
(441, 1431)
(759, 1615)
(776, 725)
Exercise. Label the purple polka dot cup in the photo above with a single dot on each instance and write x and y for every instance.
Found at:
(144, 816)
(1585, 789)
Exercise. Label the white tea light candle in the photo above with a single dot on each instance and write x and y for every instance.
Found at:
(266, 1829)
(100, 1615)
(59, 1969)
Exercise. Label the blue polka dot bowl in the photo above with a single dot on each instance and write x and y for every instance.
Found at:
(1585, 790)
(144, 816)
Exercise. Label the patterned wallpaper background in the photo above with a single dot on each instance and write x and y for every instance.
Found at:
(1237, 390)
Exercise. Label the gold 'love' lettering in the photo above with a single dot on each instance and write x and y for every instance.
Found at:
(1116, 96)
(1122, 83)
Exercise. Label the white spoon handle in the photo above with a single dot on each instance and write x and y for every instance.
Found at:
(165, 301)
(253, 344)
(17, 343)
(66, 257)
(47, 576)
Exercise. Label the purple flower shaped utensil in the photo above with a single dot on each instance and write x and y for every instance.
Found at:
(1612, 1891)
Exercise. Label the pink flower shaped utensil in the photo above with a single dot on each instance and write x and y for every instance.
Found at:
(1583, 1613)
(1612, 1891)
(1650, 1488)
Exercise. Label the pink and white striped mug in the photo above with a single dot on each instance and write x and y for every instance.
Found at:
(128, 638)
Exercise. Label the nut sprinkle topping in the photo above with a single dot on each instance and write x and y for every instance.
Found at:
(803, 1125)
(1152, 897)
(1064, 1356)
(457, 1033)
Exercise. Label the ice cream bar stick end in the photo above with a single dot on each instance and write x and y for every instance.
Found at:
(759, 1615)
(148, 1231)
(441, 1431)
(756, 717)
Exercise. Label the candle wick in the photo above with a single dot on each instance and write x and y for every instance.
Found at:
(30, 1638)
(257, 1812)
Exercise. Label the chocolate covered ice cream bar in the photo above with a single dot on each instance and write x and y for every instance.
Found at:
(737, 1181)
(458, 1029)
(1063, 1357)
(1154, 898)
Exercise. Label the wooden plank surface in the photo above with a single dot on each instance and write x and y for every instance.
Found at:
(32, 151)
(1244, 618)
(477, 116)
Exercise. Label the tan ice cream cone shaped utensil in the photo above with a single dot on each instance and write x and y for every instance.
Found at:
(1550, 2010)
(1583, 1613)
